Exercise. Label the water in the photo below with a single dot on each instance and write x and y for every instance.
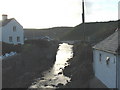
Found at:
(55, 76)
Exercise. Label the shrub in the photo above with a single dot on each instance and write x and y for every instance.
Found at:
(7, 48)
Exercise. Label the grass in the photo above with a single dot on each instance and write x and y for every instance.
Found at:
(94, 31)
(80, 68)
(54, 33)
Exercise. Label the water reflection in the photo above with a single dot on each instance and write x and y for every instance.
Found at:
(55, 76)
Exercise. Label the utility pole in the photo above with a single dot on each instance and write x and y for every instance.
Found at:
(83, 20)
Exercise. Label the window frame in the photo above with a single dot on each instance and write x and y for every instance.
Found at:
(18, 38)
(10, 39)
(100, 57)
(14, 28)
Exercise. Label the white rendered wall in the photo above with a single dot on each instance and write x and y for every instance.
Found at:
(7, 31)
(118, 73)
(105, 73)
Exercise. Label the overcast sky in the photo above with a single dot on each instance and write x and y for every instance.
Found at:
(52, 13)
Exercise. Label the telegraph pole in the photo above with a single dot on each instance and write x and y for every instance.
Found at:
(83, 20)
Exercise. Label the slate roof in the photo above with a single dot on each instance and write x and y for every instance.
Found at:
(3, 23)
(111, 44)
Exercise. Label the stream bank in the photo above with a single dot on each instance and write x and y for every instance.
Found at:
(21, 70)
(80, 69)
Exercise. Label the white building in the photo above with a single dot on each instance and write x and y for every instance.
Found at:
(11, 31)
(106, 61)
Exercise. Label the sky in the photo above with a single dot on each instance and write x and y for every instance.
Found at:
(53, 13)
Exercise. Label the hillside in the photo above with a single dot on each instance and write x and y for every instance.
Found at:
(54, 33)
(94, 31)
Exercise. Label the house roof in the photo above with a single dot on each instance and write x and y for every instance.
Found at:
(5, 22)
(111, 44)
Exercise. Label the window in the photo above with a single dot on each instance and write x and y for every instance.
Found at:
(14, 28)
(10, 39)
(18, 39)
(100, 57)
(107, 60)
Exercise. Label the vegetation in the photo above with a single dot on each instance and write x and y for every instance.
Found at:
(94, 31)
(54, 33)
(80, 68)
(20, 70)
(7, 48)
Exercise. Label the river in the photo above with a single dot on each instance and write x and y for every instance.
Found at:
(54, 76)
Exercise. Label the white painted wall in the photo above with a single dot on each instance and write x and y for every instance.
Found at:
(118, 73)
(7, 31)
(105, 73)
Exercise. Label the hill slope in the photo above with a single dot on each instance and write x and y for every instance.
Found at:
(54, 33)
(94, 32)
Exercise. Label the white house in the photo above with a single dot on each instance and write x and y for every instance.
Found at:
(106, 61)
(11, 31)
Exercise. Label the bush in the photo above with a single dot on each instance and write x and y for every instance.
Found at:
(40, 42)
(7, 48)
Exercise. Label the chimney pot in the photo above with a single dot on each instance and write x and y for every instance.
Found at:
(4, 17)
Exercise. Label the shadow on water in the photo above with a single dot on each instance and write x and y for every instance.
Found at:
(54, 77)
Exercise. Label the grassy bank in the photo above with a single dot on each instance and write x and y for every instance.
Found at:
(36, 56)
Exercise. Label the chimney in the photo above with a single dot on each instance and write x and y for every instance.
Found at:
(4, 17)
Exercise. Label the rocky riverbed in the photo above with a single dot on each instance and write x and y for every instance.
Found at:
(21, 70)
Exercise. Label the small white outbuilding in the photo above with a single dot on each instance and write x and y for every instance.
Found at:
(11, 31)
(106, 61)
